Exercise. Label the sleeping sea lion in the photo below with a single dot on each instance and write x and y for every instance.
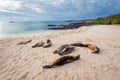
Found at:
(79, 45)
(25, 42)
(43, 44)
(94, 48)
(47, 44)
(62, 60)
(38, 44)
(64, 49)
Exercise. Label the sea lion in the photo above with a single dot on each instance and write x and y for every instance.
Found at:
(43, 44)
(38, 44)
(25, 42)
(94, 48)
(79, 45)
(62, 60)
(47, 44)
(64, 49)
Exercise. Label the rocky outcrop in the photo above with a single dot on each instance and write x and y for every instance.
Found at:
(74, 25)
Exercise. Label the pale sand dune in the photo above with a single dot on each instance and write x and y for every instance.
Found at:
(22, 62)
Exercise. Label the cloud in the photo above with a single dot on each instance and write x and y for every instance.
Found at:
(34, 8)
(19, 7)
(9, 5)
(53, 9)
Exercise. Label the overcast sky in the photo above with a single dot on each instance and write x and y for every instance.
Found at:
(55, 10)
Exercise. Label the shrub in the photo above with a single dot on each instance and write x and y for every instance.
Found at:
(114, 19)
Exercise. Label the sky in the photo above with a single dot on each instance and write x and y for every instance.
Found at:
(56, 10)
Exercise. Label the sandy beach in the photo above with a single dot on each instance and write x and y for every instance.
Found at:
(22, 62)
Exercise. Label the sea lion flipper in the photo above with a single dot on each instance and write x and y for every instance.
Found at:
(64, 49)
(67, 50)
(47, 66)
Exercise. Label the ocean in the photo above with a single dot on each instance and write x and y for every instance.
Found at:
(26, 27)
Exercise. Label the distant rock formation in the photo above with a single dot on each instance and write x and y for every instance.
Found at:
(11, 22)
(73, 25)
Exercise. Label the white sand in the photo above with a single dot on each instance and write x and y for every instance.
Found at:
(22, 62)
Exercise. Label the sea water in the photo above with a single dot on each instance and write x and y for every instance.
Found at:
(25, 27)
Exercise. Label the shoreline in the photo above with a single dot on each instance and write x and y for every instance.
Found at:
(29, 34)
(24, 34)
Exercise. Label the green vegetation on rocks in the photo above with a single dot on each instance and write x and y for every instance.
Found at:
(114, 19)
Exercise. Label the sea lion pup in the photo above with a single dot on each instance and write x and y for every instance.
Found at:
(62, 60)
(25, 42)
(47, 44)
(94, 48)
(79, 45)
(64, 49)
(38, 44)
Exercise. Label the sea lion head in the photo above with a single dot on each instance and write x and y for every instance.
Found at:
(48, 40)
(92, 47)
(89, 44)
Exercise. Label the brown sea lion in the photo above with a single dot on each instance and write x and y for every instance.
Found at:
(38, 44)
(47, 44)
(25, 42)
(43, 44)
(64, 49)
(94, 48)
(79, 45)
(62, 60)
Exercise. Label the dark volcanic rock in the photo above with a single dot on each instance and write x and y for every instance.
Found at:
(52, 25)
(70, 26)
